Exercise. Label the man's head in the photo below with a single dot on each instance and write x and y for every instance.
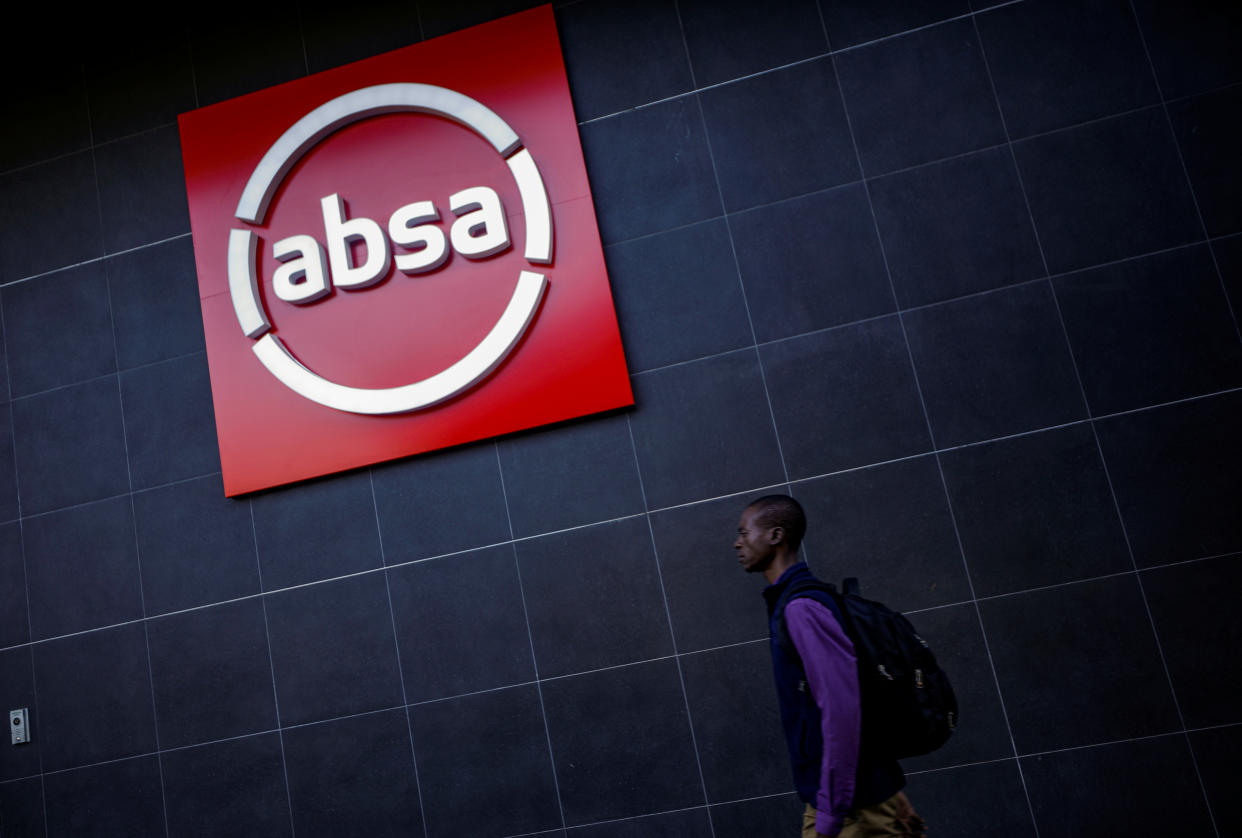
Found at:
(768, 535)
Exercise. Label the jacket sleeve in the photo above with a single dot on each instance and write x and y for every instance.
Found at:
(832, 677)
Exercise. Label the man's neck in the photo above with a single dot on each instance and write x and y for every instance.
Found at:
(780, 563)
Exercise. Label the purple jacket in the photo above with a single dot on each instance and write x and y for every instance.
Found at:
(816, 674)
(832, 677)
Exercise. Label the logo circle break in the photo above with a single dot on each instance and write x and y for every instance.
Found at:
(281, 157)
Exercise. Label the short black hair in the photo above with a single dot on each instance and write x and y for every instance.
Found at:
(781, 511)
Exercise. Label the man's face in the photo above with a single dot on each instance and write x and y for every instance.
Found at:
(754, 547)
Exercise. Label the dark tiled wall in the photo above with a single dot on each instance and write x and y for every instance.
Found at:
(964, 280)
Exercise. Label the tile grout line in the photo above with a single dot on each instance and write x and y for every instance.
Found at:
(1210, 241)
(530, 637)
(1054, 585)
(344, 717)
(334, 719)
(422, 702)
(25, 167)
(918, 386)
(671, 508)
(920, 307)
(114, 374)
(1190, 186)
(146, 635)
(1177, 705)
(1086, 402)
(103, 258)
(1133, 410)
(1144, 738)
(1099, 448)
(271, 666)
(668, 615)
(21, 539)
(392, 616)
(681, 676)
(831, 53)
(663, 509)
(995, 761)
(637, 107)
(609, 668)
(118, 496)
(711, 156)
(113, 761)
(984, 598)
(160, 127)
(799, 196)
(899, 171)
(913, 168)
(174, 483)
(422, 37)
(129, 473)
(972, 444)
(709, 649)
(646, 105)
(942, 769)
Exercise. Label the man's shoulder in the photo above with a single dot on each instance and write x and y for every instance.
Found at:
(808, 589)
(811, 609)
(806, 604)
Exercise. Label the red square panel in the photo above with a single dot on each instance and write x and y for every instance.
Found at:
(399, 255)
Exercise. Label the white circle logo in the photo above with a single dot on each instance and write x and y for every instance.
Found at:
(280, 158)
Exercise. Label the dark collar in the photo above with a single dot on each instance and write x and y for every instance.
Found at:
(772, 592)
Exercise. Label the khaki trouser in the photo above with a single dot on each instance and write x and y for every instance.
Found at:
(868, 822)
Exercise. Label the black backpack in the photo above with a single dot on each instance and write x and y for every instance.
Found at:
(908, 706)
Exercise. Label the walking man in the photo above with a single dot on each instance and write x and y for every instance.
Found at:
(849, 790)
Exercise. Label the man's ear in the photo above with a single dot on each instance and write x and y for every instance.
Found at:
(776, 535)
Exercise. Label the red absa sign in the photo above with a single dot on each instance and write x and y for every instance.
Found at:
(399, 255)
